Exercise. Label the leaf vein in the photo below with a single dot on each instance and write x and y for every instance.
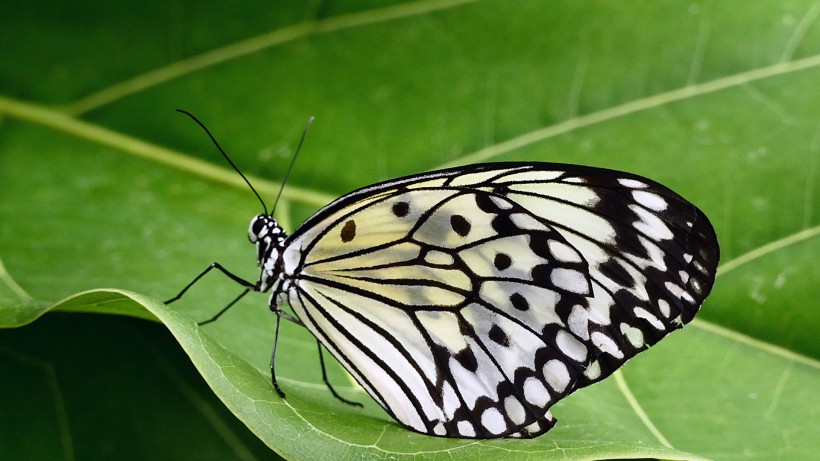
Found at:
(252, 45)
(635, 106)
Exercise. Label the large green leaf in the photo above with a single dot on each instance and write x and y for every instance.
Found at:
(103, 185)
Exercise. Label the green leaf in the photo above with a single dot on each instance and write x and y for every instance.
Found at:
(107, 387)
(102, 185)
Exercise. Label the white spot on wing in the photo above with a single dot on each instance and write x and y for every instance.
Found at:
(698, 289)
(564, 252)
(697, 264)
(664, 307)
(515, 411)
(535, 392)
(465, 428)
(593, 371)
(471, 179)
(493, 421)
(605, 344)
(674, 288)
(530, 176)
(632, 183)
(633, 335)
(651, 224)
(439, 429)
(501, 203)
(648, 199)
(570, 280)
(527, 222)
(576, 194)
(557, 375)
(570, 346)
(579, 322)
(451, 403)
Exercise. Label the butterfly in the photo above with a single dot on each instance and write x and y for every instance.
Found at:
(468, 301)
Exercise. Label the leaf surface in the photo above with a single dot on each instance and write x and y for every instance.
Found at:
(103, 185)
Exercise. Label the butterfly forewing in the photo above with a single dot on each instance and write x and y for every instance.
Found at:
(468, 301)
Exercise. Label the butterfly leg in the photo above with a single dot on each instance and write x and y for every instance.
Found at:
(273, 357)
(324, 378)
(235, 278)
(248, 287)
(224, 309)
(288, 316)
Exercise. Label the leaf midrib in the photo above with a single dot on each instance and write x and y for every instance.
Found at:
(62, 121)
(255, 44)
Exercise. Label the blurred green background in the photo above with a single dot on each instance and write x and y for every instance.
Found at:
(104, 186)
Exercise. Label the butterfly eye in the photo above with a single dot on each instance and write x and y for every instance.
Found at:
(258, 225)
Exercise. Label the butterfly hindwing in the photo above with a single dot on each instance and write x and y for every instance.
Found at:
(469, 301)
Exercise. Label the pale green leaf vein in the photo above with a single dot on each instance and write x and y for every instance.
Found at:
(800, 32)
(12, 284)
(767, 249)
(60, 121)
(638, 409)
(745, 259)
(778, 390)
(704, 29)
(754, 343)
(253, 45)
(635, 106)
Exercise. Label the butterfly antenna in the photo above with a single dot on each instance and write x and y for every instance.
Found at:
(292, 162)
(265, 208)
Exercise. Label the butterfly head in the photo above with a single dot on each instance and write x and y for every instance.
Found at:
(269, 238)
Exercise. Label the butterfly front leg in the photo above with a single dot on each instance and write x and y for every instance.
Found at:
(248, 287)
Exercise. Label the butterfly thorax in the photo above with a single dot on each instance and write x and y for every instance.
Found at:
(269, 238)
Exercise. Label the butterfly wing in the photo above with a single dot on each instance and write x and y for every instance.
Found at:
(468, 301)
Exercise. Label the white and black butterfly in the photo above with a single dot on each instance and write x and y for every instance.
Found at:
(468, 301)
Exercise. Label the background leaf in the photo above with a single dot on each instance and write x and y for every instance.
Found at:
(103, 185)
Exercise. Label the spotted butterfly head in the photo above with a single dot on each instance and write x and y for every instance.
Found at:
(269, 238)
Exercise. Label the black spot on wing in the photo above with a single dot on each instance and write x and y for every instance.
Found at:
(467, 359)
(502, 261)
(401, 209)
(519, 302)
(460, 225)
(348, 231)
(498, 335)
